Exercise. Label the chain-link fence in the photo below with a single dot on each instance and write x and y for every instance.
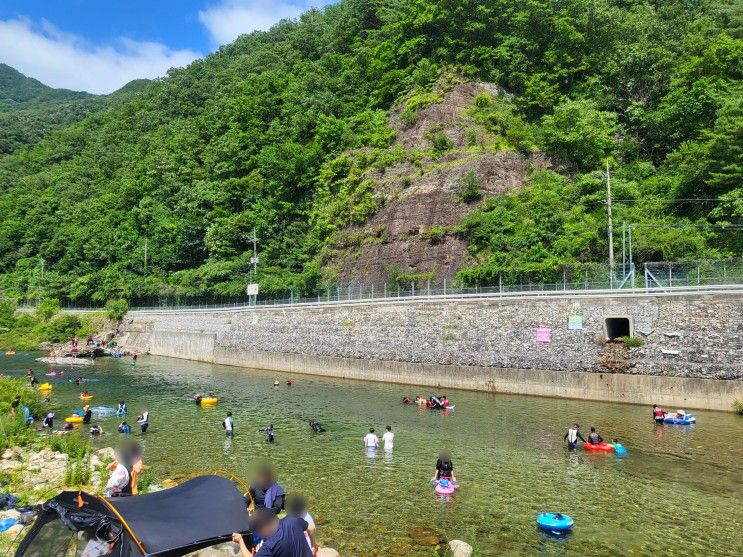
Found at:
(578, 279)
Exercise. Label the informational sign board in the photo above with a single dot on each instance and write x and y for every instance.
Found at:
(252, 289)
(542, 334)
(575, 322)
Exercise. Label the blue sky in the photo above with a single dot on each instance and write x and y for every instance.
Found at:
(99, 45)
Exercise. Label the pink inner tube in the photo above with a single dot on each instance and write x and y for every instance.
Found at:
(447, 489)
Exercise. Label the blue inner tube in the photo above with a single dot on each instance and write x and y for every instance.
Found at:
(687, 420)
(554, 522)
(6, 523)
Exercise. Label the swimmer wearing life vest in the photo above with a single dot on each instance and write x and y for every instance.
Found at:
(658, 414)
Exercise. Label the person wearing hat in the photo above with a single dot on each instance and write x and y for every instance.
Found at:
(281, 538)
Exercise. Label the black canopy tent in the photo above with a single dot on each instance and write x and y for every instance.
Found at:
(200, 513)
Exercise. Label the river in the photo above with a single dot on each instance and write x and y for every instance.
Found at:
(679, 492)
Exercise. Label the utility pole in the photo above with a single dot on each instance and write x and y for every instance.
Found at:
(254, 259)
(611, 223)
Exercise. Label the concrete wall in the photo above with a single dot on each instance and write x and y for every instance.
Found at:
(692, 356)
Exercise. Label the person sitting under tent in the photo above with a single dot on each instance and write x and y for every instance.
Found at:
(267, 492)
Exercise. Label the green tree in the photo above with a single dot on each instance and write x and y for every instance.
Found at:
(578, 131)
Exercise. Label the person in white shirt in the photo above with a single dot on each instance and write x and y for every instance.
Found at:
(371, 441)
(228, 425)
(144, 421)
(388, 438)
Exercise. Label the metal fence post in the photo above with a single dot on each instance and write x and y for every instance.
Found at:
(444, 287)
(697, 275)
(670, 275)
(429, 287)
(385, 289)
(412, 289)
(372, 294)
(500, 283)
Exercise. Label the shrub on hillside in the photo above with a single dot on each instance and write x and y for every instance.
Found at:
(116, 309)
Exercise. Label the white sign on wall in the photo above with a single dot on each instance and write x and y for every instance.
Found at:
(252, 289)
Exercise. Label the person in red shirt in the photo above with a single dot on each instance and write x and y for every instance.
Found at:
(658, 414)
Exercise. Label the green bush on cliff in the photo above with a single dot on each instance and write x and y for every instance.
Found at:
(738, 405)
(116, 309)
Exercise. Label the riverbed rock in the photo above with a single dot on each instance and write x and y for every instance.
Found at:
(328, 552)
(105, 453)
(460, 548)
(426, 536)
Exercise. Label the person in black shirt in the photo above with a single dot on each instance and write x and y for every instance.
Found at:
(281, 538)
(444, 467)
(14, 405)
(594, 438)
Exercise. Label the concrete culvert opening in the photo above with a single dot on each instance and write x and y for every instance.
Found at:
(618, 327)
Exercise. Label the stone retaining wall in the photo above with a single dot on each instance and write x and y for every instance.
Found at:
(480, 344)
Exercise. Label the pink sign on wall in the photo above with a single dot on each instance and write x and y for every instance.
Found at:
(542, 334)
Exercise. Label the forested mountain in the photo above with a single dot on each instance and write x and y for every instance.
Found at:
(327, 135)
(29, 110)
(18, 91)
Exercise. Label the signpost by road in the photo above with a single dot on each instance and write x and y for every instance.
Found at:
(252, 291)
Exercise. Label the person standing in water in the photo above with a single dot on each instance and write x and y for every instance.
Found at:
(144, 421)
(371, 441)
(389, 438)
(594, 438)
(229, 425)
(658, 414)
(121, 410)
(572, 437)
(270, 434)
(444, 468)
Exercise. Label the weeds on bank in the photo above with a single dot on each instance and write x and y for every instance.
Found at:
(738, 405)
(633, 342)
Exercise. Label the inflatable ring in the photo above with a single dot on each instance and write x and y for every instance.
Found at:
(209, 401)
(602, 447)
(444, 487)
(555, 522)
(688, 419)
(86, 397)
(46, 387)
(74, 419)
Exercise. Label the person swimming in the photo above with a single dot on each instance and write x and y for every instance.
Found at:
(124, 428)
(405, 400)
(316, 427)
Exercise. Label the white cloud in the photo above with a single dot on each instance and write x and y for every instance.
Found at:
(231, 18)
(59, 59)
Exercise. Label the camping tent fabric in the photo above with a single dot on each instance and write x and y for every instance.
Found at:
(198, 513)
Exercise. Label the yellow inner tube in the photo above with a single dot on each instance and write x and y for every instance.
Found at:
(87, 397)
(209, 401)
(74, 419)
(46, 387)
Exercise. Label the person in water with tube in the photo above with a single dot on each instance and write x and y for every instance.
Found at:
(572, 437)
(658, 414)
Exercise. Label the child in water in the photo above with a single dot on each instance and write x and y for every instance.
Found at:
(444, 468)
(269, 433)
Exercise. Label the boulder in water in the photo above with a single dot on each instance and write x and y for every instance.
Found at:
(460, 548)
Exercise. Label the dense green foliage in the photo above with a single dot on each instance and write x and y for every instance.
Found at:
(268, 131)
(25, 331)
(18, 91)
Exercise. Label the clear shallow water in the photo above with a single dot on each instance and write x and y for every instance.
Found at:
(680, 492)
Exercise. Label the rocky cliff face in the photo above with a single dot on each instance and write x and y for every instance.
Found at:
(413, 233)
